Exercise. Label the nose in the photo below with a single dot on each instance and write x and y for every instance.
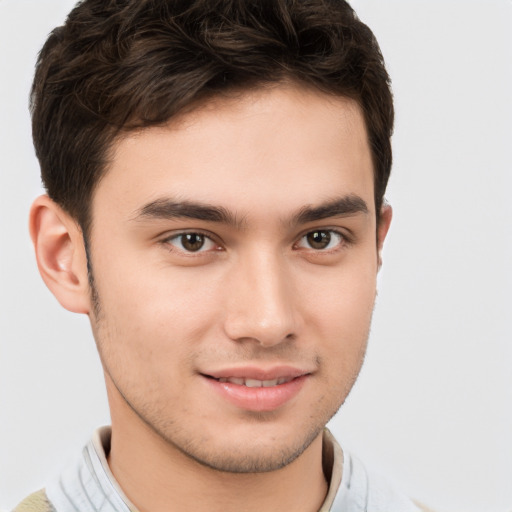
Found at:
(261, 301)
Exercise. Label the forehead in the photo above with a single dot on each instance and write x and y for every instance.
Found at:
(267, 149)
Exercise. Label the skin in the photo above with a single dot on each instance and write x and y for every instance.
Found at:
(258, 292)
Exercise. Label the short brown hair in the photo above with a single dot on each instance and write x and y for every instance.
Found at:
(118, 65)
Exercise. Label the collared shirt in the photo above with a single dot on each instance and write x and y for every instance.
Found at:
(89, 485)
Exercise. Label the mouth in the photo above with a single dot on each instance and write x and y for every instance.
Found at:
(254, 389)
(253, 383)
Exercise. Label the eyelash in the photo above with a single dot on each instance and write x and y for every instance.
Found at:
(180, 236)
(343, 240)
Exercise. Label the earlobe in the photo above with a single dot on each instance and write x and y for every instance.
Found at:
(386, 214)
(60, 254)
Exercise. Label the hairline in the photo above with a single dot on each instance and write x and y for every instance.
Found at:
(230, 93)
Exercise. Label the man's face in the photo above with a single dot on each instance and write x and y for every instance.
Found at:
(237, 248)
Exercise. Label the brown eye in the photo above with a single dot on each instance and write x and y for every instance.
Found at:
(318, 239)
(191, 242)
(321, 240)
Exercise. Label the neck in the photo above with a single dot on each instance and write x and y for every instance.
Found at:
(157, 477)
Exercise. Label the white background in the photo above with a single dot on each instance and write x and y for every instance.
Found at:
(433, 406)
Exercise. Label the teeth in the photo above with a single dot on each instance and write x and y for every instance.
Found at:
(254, 383)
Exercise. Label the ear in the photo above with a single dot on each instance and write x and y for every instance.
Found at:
(60, 254)
(386, 214)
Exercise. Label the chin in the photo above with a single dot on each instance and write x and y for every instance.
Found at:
(250, 461)
(258, 453)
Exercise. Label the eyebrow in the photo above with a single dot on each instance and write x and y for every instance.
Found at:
(169, 209)
(341, 207)
(165, 209)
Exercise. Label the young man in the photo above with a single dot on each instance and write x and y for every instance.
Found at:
(215, 173)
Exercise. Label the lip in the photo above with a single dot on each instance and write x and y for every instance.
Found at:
(259, 399)
(258, 373)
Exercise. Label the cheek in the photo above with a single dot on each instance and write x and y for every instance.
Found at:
(343, 302)
(340, 315)
(156, 315)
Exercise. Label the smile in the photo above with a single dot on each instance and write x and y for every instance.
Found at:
(254, 383)
(254, 389)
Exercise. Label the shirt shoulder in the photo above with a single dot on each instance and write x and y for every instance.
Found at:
(360, 489)
(36, 502)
